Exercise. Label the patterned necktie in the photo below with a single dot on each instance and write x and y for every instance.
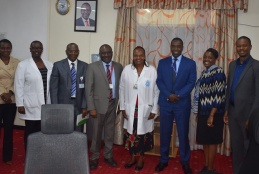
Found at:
(174, 70)
(73, 80)
(86, 23)
(109, 79)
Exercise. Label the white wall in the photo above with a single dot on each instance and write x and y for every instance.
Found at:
(62, 31)
(248, 25)
(23, 22)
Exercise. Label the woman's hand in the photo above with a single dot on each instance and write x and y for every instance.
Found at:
(6, 97)
(210, 121)
(21, 110)
(225, 118)
(124, 114)
(151, 116)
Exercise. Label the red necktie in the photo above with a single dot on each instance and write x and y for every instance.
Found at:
(86, 23)
(109, 79)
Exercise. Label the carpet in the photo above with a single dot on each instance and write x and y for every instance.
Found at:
(223, 164)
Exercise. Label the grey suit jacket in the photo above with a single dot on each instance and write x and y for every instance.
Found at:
(247, 91)
(97, 86)
(60, 84)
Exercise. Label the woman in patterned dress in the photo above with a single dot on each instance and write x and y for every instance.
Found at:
(209, 104)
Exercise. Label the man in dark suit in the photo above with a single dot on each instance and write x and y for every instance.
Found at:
(67, 82)
(102, 93)
(176, 79)
(84, 20)
(242, 97)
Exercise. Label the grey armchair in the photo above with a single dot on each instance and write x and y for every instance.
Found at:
(57, 149)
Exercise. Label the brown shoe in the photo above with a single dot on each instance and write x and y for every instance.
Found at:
(94, 164)
(110, 162)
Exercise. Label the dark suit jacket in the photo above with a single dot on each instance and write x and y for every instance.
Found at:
(185, 81)
(97, 86)
(60, 84)
(80, 22)
(247, 90)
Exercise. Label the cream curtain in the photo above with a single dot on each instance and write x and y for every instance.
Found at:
(201, 24)
(125, 35)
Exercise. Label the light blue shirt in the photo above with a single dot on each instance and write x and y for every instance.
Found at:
(179, 58)
(112, 77)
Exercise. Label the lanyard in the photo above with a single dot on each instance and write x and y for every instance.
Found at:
(111, 69)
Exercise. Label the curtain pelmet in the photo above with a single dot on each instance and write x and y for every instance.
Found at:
(184, 4)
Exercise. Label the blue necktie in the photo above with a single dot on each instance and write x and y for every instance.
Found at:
(73, 80)
(174, 70)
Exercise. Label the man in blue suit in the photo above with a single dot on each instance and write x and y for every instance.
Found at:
(176, 79)
(66, 90)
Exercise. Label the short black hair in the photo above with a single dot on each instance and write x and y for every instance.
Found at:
(70, 44)
(36, 41)
(245, 37)
(214, 52)
(6, 41)
(177, 39)
(140, 47)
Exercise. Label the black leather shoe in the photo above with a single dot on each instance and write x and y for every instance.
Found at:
(138, 168)
(161, 166)
(94, 164)
(128, 165)
(110, 162)
(187, 169)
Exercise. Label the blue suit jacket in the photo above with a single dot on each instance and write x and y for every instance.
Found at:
(183, 85)
(60, 84)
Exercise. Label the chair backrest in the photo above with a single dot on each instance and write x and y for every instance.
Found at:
(57, 149)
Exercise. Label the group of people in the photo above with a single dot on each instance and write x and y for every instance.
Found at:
(140, 90)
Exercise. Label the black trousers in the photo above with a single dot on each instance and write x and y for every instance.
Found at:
(31, 126)
(7, 115)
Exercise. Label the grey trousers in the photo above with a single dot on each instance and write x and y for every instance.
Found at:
(104, 122)
(238, 138)
(76, 112)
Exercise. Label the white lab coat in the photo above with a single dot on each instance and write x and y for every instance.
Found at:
(28, 88)
(147, 93)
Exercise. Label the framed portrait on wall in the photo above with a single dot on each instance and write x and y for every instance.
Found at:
(85, 16)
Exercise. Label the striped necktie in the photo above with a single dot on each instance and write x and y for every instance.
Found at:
(73, 80)
(109, 79)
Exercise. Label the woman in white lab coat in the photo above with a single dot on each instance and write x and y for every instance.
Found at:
(138, 103)
(31, 86)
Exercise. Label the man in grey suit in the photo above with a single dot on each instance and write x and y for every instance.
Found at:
(64, 89)
(102, 93)
(242, 97)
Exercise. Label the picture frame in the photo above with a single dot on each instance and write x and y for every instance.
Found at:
(85, 16)
(95, 58)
